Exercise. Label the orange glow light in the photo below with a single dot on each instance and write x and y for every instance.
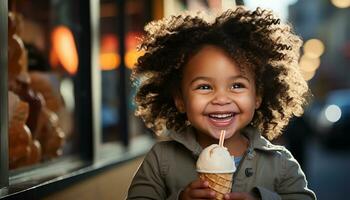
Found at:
(109, 43)
(132, 40)
(65, 49)
(109, 61)
(109, 57)
(131, 58)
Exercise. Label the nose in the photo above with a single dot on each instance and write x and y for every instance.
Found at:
(221, 98)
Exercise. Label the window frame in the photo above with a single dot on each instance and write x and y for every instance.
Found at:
(4, 94)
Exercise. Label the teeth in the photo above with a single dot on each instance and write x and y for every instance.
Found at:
(221, 116)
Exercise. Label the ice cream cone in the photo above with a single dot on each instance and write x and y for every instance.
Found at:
(221, 183)
(215, 165)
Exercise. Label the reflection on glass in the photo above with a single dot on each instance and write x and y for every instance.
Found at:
(137, 14)
(109, 64)
(42, 64)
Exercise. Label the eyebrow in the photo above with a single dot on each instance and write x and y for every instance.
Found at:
(200, 78)
(240, 77)
(208, 78)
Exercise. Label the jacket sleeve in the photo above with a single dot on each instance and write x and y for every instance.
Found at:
(292, 184)
(148, 182)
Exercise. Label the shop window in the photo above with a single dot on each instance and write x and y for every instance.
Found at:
(42, 67)
(68, 88)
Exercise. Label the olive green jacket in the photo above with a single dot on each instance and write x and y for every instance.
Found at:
(267, 169)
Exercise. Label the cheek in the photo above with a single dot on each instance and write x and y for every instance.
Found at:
(195, 104)
(248, 103)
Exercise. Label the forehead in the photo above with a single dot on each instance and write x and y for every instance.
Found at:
(214, 61)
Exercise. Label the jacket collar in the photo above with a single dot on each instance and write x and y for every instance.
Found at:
(187, 137)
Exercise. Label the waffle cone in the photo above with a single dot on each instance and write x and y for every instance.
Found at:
(221, 183)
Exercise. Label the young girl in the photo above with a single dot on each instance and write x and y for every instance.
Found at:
(239, 74)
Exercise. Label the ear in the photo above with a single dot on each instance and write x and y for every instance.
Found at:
(258, 101)
(179, 102)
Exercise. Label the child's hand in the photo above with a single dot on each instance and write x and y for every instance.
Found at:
(197, 189)
(240, 196)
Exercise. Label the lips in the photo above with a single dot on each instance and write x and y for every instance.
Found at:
(221, 119)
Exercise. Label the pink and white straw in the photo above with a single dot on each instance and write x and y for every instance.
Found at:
(222, 138)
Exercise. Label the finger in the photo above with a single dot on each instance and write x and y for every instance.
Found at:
(202, 194)
(236, 195)
(197, 184)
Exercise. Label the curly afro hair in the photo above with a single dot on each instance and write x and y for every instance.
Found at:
(256, 39)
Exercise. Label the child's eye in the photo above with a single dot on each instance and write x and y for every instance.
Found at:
(237, 86)
(203, 87)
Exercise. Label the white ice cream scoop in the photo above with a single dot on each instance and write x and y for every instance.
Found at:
(215, 159)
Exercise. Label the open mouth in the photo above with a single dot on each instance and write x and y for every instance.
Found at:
(221, 116)
(221, 119)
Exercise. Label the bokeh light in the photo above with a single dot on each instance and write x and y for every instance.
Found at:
(333, 113)
(308, 75)
(131, 58)
(65, 49)
(341, 3)
(309, 64)
(314, 48)
(109, 61)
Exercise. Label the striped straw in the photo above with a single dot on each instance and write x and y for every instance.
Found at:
(222, 138)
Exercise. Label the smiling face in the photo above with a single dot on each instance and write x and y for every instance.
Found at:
(216, 93)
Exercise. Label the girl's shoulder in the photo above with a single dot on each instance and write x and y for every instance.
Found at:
(166, 145)
(276, 151)
(169, 155)
(273, 152)
(279, 158)
(167, 148)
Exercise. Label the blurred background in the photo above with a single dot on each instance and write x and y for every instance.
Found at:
(69, 65)
(320, 139)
